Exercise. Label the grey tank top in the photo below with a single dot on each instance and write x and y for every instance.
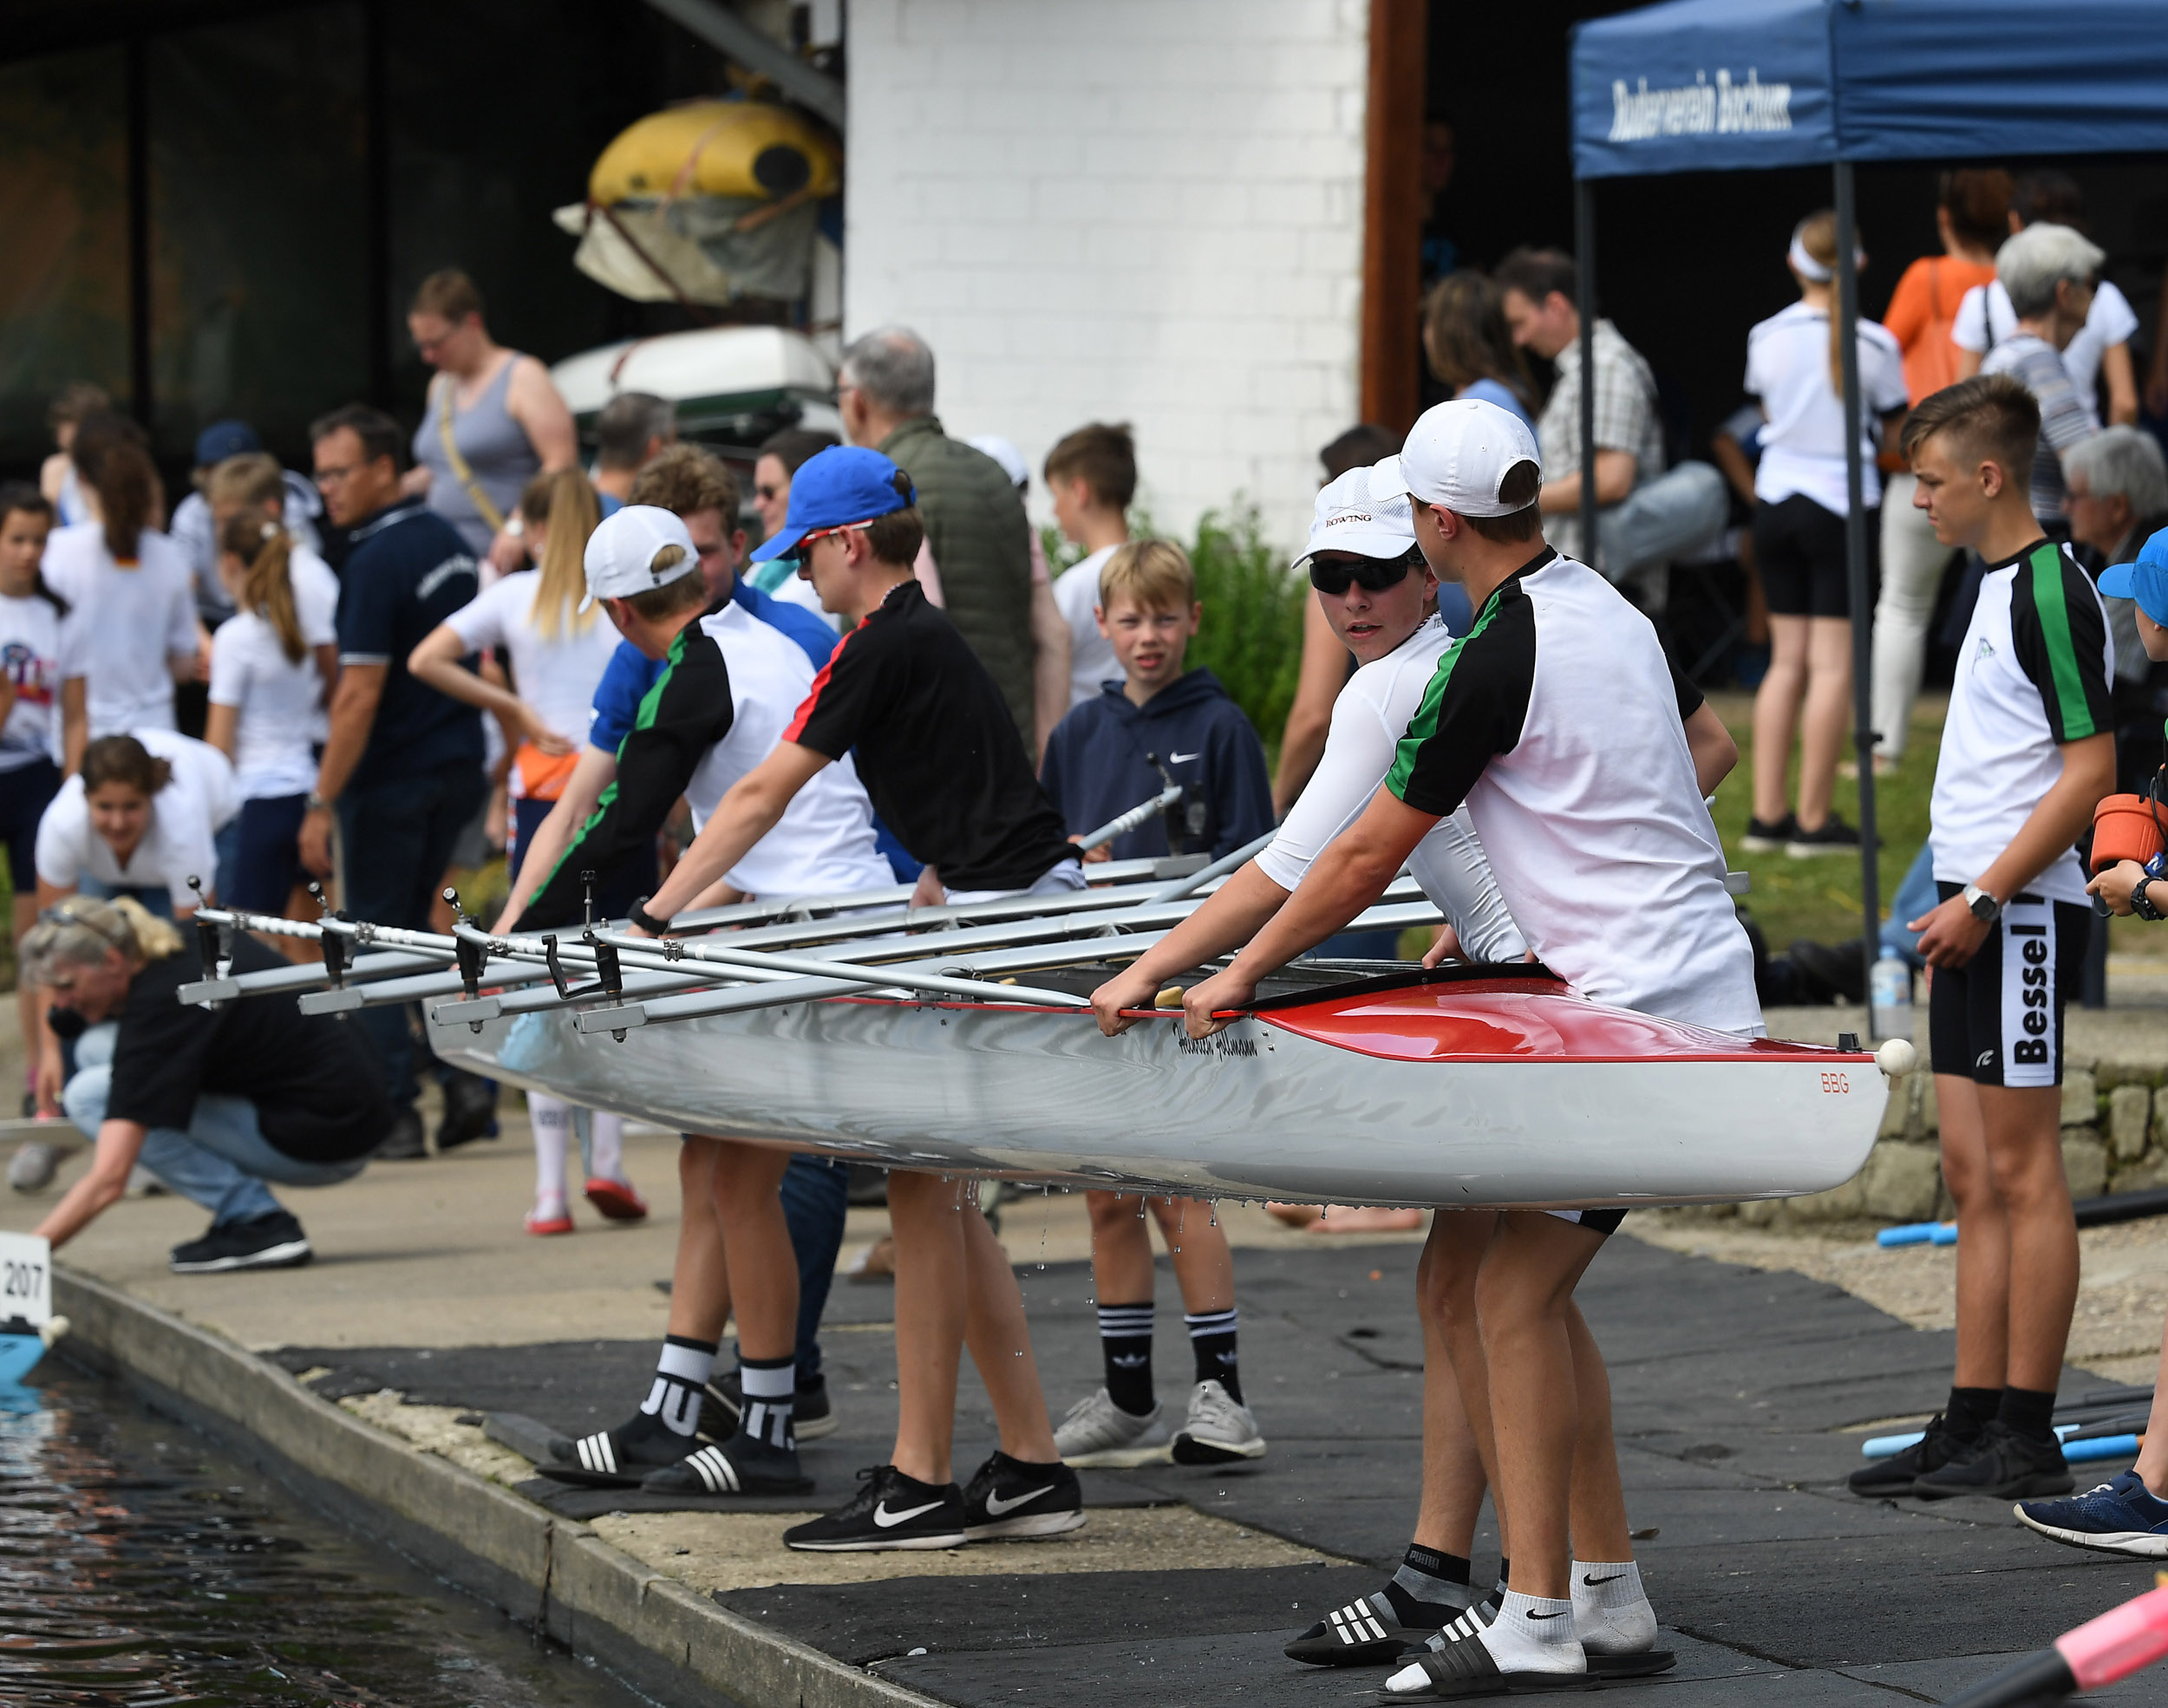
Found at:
(497, 453)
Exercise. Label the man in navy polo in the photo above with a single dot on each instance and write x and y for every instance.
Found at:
(402, 767)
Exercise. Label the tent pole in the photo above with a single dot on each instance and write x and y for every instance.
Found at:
(1585, 292)
(1856, 566)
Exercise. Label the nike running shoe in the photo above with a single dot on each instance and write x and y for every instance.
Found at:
(891, 1510)
(2120, 1517)
(1888, 1479)
(1463, 1666)
(1218, 1430)
(812, 1417)
(1098, 1433)
(272, 1241)
(2008, 1466)
(743, 1465)
(1365, 1633)
(1009, 1498)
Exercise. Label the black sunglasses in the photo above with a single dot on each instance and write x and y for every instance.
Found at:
(1333, 575)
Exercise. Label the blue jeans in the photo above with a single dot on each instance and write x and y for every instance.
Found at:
(813, 1206)
(157, 899)
(1915, 895)
(399, 838)
(223, 1159)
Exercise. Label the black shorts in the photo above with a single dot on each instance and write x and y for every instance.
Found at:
(1603, 1222)
(24, 794)
(1997, 1019)
(1799, 554)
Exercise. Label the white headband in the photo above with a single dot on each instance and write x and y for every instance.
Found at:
(1813, 270)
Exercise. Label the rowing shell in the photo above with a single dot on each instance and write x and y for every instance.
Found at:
(1459, 1087)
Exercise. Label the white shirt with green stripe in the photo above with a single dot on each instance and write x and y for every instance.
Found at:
(2033, 673)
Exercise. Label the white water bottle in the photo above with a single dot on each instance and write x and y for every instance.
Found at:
(1890, 997)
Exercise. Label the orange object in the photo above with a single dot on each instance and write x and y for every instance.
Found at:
(2124, 827)
(543, 776)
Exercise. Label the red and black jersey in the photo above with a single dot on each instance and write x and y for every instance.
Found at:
(935, 746)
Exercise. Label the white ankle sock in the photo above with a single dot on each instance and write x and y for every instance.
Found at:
(1534, 1635)
(1611, 1614)
(552, 1119)
(607, 1153)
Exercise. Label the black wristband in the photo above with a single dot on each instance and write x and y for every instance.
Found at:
(647, 921)
(2142, 903)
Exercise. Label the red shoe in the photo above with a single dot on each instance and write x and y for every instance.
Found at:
(617, 1200)
(560, 1224)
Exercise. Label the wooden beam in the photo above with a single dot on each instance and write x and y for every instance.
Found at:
(1392, 212)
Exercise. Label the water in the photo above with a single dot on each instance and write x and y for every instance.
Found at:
(139, 1567)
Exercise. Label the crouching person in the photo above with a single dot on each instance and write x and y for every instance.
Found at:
(215, 1102)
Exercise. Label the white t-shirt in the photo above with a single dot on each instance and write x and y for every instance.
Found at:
(1091, 654)
(178, 842)
(2110, 319)
(2032, 672)
(280, 701)
(1802, 445)
(1368, 719)
(824, 843)
(316, 603)
(39, 651)
(556, 677)
(129, 623)
(1558, 722)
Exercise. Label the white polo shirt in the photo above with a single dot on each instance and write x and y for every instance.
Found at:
(1368, 719)
(1558, 722)
(178, 843)
(2032, 672)
(824, 843)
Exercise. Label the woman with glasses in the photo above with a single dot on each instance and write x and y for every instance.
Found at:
(782, 454)
(213, 1101)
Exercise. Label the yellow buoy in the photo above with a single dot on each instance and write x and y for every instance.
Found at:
(744, 149)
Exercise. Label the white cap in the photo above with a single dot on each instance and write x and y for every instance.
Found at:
(621, 553)
(1458, 455)
(1361, 513)
(1003, 452)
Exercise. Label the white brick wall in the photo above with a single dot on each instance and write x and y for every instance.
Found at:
(1147, 211)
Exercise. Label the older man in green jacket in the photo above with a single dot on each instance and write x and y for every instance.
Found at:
(976, 527)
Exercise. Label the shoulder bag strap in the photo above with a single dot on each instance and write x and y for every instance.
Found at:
(475, 496)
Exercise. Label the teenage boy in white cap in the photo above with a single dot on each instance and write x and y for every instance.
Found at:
(1559, 723)
(941, 758)
(727, 687)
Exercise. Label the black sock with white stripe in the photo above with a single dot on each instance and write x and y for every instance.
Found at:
(771, 1385)
(1125, 1339)
(1212, 1344)
(1429, 1588)
(680, 1374)
(661, 1431)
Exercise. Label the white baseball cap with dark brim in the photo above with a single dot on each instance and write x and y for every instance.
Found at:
(1457, 456)
(1360, 512)
(621, 553)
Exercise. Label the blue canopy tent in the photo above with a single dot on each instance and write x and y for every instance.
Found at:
(1736, 85)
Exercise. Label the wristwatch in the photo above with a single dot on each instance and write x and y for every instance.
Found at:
(316, 803)
(1985, 908)
(2142, 903)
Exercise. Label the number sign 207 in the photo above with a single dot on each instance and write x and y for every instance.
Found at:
(26, 1279)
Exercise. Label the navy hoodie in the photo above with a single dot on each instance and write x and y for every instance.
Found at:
(1096, 768)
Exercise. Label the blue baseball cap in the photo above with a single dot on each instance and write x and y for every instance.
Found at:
(842, 486)
(222, 440)
(2145, 580)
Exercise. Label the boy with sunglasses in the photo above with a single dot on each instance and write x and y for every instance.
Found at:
(946, 768)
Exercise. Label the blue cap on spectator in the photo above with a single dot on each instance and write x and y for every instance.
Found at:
(842, 486)
(222, 440)
(2145, 580)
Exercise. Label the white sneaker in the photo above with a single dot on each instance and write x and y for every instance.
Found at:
(31, 1167)
(1097, 1432)
(1217, 1431)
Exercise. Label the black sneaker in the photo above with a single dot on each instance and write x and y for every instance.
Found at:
(403, 1143)
(271, 1241)
(1831, 836)
(1366, 1632)
(812, 1417)
(618, 1458)
(2007, 1467)
(1767, 839)
(470, 1110)
(1014, 1497)
(892, 1511)
(743, 1465)
(1890, 1479)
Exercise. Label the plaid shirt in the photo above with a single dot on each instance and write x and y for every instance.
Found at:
(1625, 421)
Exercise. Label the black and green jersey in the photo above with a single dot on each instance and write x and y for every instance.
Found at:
(688, 711)
(2033, 673)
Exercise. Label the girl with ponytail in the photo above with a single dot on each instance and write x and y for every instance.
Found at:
(1794, 367)
(272, 663)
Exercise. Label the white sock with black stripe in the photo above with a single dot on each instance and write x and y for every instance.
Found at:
(771, 1386)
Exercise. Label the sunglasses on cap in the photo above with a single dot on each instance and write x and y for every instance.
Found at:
(1334, 575)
